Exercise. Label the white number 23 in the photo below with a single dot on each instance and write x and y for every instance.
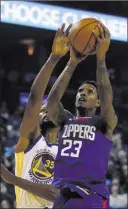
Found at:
(65, 151)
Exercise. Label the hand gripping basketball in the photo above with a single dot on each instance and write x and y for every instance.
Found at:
(103, 42)
(81, 35)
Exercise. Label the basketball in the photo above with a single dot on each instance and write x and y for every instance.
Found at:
(81, 37)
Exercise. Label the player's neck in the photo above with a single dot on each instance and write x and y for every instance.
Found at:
(51, 136)
(82, 112)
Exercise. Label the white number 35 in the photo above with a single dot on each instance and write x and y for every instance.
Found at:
(66, 150)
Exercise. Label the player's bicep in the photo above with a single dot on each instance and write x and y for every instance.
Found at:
(22, 145)
(57, 113)
(25, 141)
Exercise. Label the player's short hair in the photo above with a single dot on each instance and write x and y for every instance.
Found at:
(93, 83)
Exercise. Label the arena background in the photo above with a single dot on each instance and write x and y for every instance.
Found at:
(24, 49)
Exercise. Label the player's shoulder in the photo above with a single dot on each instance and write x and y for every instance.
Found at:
(103, 123)
(27, 144)
(68, 115)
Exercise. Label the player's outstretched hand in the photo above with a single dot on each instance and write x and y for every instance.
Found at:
(5, 174)
(60, 44)
(103, 42)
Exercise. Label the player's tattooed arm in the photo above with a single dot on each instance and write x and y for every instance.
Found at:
(55, 109)
(105, 94)
(103, 82)
(41, 190)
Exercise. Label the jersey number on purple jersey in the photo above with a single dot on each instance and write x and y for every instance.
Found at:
(68, 151)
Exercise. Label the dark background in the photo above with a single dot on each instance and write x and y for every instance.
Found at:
(14, 56)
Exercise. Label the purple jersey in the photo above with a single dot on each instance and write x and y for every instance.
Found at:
(83, 155)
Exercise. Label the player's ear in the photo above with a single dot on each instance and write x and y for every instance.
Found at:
(98, 103)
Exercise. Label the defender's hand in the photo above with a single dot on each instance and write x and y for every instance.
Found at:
(60, 44)
(102, 43)
(5, 174)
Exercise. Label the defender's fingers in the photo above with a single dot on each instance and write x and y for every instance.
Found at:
(57, 33)
(67, 30)
(62, 29)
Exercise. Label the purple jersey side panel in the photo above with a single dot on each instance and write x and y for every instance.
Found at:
(83, 155)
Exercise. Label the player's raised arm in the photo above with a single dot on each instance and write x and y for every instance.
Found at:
(31, 115)
(103, 82)
(54, 107)
(41, 190)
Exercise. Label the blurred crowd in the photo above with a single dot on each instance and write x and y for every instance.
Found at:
(117, 180)
(9, 132)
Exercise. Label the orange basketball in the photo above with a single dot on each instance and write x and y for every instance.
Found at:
(81, 36)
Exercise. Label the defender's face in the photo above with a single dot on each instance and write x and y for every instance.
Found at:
(47, 128)
(43, 114)
(87, 97)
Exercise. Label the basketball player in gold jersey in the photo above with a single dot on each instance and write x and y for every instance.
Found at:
(34, 154)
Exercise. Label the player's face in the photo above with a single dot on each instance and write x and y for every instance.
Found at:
(43, 114)
(87, 97)
(47, 127)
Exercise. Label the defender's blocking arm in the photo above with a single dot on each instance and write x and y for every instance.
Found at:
(41, 190)
(31, 115)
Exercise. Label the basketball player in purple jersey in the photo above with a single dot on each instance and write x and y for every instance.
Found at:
(85, 141)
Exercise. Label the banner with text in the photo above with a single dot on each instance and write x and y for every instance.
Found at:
(51, 17)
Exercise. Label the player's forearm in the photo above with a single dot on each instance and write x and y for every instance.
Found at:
(61, 84)
(39, 86)
(103, 82)
(41, 190)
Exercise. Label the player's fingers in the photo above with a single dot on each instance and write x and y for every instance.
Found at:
(101, 32)
(107, 33)
(62, 29)
(57, 33)
(67, 30)
(96, 37)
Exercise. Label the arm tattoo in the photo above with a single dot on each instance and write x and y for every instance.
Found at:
(103, 82)
(106, 97)
(54, 107)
